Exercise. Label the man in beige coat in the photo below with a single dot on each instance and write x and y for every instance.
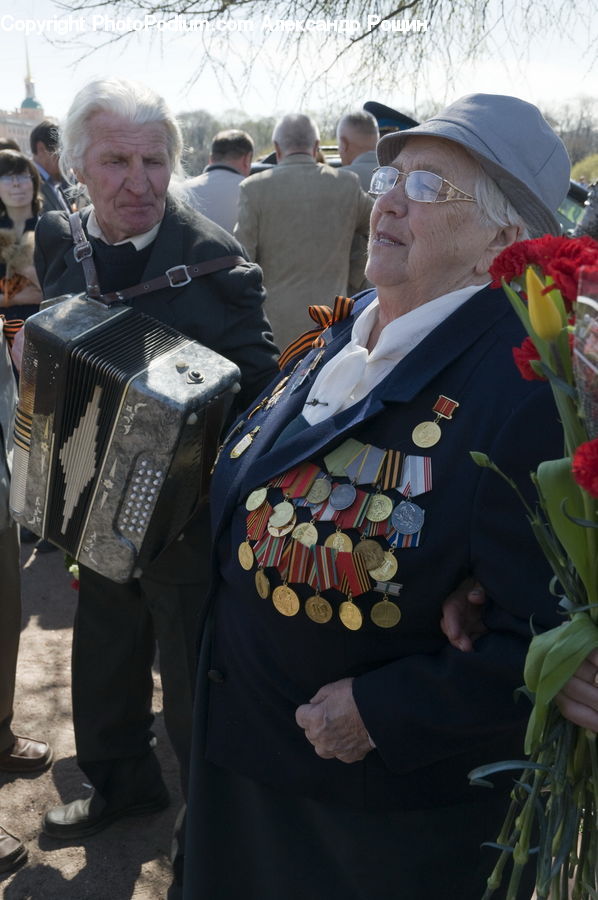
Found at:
(301, 222)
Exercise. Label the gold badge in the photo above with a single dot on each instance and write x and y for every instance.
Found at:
(339, 541)
(426, 434)
(306, 533)
(245, 554)
(262, 584)
(245, 442)
(318, 609)
(285, 600)
(370, 552)
(379, 508)
(350, 615)
(385, 614)
(388, 569)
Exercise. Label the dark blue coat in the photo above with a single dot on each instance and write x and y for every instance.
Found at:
(432, 711)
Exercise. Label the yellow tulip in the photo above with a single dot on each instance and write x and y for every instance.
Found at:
(544, 316)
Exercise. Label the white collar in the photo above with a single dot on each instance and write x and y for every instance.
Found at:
(139, 241)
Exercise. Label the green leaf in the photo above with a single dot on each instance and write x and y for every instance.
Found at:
(552, 659)
(559, 491)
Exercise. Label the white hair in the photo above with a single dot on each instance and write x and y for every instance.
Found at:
(129, 100)
(361, 122)
(494, 207)
(296, 133)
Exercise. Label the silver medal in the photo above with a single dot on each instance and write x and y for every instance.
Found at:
(407, 517)
(342, 496)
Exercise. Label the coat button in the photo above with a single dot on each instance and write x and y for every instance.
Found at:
(216, 676)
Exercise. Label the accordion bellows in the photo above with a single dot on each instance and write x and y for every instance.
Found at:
(115, 434)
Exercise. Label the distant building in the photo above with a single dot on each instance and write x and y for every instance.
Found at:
(19, 123)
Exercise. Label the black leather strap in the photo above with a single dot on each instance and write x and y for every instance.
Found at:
(177, 276)
(84, 255)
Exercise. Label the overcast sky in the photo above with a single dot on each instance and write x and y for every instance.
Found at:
(555, 71)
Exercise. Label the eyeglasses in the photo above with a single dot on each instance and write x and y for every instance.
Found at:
(423, 187)
(15, 179)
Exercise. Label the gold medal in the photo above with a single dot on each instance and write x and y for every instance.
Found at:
(385, 614)
(388, 569)
(255, 499)
(262, 584)
(350, 615)
(285, 600)
(426, 434)
(283, 530)
(319, 491)
(306, 533)
(379, 508)
(318, 609)
(370, 552)
(245, 554)
(282, 514)
(339, 541)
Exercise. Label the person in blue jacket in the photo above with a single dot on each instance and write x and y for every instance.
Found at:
(335, 725)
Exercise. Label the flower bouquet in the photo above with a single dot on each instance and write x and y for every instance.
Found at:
(553, 816)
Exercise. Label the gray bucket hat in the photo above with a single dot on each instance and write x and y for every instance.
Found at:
(513, 143)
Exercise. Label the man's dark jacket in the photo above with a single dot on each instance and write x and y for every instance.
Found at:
(223, 311)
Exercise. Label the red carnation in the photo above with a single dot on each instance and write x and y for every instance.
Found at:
(523, 356)
(585, 467)
(514, 260)
(559, 257)
(564, 266)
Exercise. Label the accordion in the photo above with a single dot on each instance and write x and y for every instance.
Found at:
(116, 431)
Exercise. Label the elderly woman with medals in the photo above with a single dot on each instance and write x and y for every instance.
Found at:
(335, 723)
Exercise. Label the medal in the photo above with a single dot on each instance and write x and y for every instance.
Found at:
(262, 584)
(342, 496)
(285, 600)
(257, 521)
(268, 551)
(388, 569)
(318, 609)
(365, 466)
(370, 553)
(245, 554)
(426, 434)
(385, 614)
(416, 477)
(391, 470)
(282, 514)
(283, 529)
(379, 508)
(276, 393)
(336, 461)
(306, 533)
(299, 480)
(319, 491)
(350, 615)
(245, 442)
(407, 517)
(339, 541)
(255, 499)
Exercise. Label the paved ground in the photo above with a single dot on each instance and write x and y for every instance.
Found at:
(128, 860)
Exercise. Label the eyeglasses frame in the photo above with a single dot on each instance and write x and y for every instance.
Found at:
(453, 189)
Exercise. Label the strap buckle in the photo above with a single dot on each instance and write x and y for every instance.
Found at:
(82, 251)
(178, 276)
